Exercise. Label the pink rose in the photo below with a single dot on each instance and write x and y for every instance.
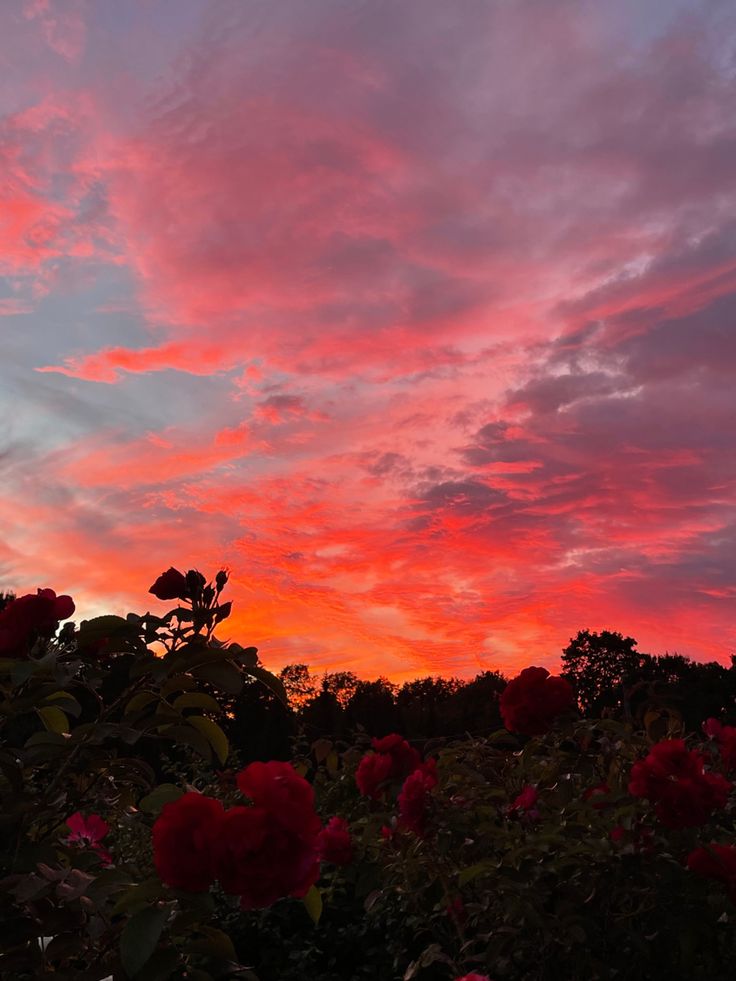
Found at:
(526, 802)
(89, 831)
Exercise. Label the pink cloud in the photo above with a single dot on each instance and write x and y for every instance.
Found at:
(196, 358)
(62, 22)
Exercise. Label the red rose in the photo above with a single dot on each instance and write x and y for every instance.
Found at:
(393, 759)
(474, 977)
(601, 790)
(674, 780)
(455, 909)
(404, 758)
(526, 802)
(55, 608)
(712, 728)
(170, 585)
(725, 736)
(389, 833)
(279, 789)
(184, 838)
(334, 843)
(727, 746)
(716, 862)
(270, 850)
(414, 797)
(373, 771)
(531, 702)
(640, 837)
(32, 614)
(261, 860)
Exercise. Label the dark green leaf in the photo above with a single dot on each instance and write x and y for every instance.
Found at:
(186, 735)
(213, 734)
(161, 966)
(213, 943)
(140, 701)
(21, 672)
(139, 895)
(248, 656)
(98, 629)
(196, 699)
(222, 675)
(270, 681)
(140, 937)
(53, 719)
(65, 701)
(153, 803)
(313, 904)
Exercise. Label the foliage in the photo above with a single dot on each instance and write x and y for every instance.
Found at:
(599, 665)
(473, 851)
(91, 721)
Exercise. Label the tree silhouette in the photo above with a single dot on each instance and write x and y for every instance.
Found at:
(341, 684)
(599, 666)
(423, 706)
(6, 598)
(300, 684)
(373, 707)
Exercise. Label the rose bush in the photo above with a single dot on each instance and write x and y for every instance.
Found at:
(260, 853)
(392, 759)
(716, 862)
(675, 780)
(725, 738)
(90, 719)
(137, 845)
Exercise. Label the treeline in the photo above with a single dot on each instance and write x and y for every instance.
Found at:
(339, 703)
(612, 678)
(666, 694)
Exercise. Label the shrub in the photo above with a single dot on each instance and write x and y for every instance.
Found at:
(137, 845)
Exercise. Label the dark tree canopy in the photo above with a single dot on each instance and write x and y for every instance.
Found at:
(300, 684)
(599, 666)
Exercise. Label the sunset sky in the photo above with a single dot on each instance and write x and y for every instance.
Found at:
(417, 315)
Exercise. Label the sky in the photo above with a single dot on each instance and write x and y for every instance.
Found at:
(417, 316)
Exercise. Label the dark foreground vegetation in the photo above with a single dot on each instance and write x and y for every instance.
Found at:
(171, 809)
